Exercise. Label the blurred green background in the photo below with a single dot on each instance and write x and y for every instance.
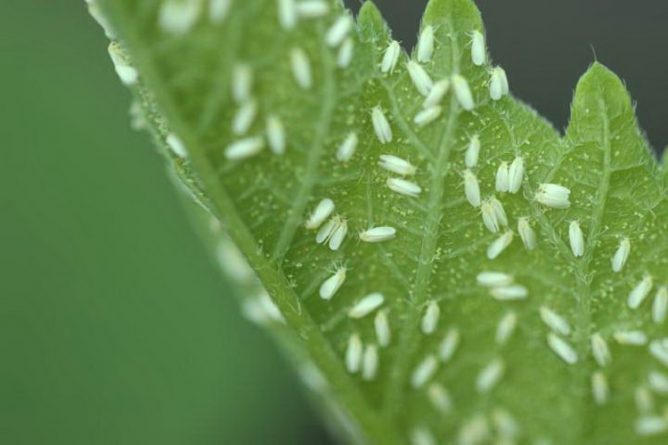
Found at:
(115, 328)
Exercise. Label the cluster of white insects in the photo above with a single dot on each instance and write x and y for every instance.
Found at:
(177, 17)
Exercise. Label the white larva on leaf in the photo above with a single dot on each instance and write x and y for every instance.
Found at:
(177, 16)
(338, 31)
(494, 279)
(331, 285)
(658, 382)
(390, 57)
(499, 245)
(366, 305)
(651, 425)
(553, 195)
(489, 216)
(244, 148)
(576, 238)
(499, 212)
(354, 352)
(621, 255)
(311, 9)
(370, 363)
(489, 376)
(378, 234)
(242, 82)
(425, 45)
(471, 188)
(244, 117)
(275, 134)
(422, 436)
(396, 165)
(554, 321)
(176, 145)
(321, 212)
(509, 293)
(436, 93)
(501, 183)
(516, 174)
(218, 10)
(381, 126)
(424, 371)
(404, 187)
(382, 327)
(287, 13)
(347, 148)
(562, 348)
(640, 292)
(472, 152)
(599, 388)
(659, 350)
(126, 72)
(301, 68)
(345, 54)
(660, 305)
(630, 338)
(526, 233)
(505, 328)
(475, 431)
(460, 87)
(419, 77)
(498, 83)
(448, 346)
(478, 50)
(439, 397)
(600, 350)
(338, 235)
(326, 231)
(428, 115)
(430, 318)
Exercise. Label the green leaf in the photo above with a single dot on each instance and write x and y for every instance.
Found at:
(566, 374)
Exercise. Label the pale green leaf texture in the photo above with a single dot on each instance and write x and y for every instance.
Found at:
(617, 191)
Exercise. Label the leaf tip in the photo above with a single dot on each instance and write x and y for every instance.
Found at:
(370, 20)
(459, 10)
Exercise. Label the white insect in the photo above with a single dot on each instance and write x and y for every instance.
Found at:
(381, 126)
(499, 245)
(498, 83)
(424, 371)
(499, 212)
(553, 195)
(404, 187)
(338, 31)
(244, 148)
(354, 352)
(472, 188)
(396, 165)
(347, 148)
(621, 255)
(275, 134)
(126, 72)
(439, 397)
(509, 293)
(326, 231)
(321, 212)
(576, 238)
(448, 346)
(600, 350)
(378, 234)
(494, 279)
(562, 348)
(382, 327)
(462, 91)
(218, 10)
(301, 68)
(489, 376)
(640, 292)
(502, 177)
(176, 145)
(390, 57)
(178, 17)
(430, 318)
(599, 388)
(475, 431)
(472, 152)
(370, 363)
(338, 235)
(516, 175)
(659, 350)
(346, 52)
(505, 328)
(287, 13)
(261, 309)
(651, 425)
(526, 233)
(419, 77)
(242, 82)
(366, 305)
(478, 50)
(630, 338)
(311, 9)
(425, 46)
(331, 285)
(660, 305)
(436, 93)
(232, 261)
(422, 436)
(489, 216)
(658, 382)
(554, 321)
(244, 118)
(428, 115)
(506, 426)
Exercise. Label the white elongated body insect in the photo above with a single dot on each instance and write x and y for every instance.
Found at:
(275, 134)
(499, 245)
(505, 328)
(516, 175)
(489, 216)
(562, 348)
(462, 91)
(126, 72)
(494, 279)
(345, 54)
(659, 350)
(244, 117)
(321, 212)
(501, 183)
(471, 188)
(509, 293)
(312, 9)
(490, 376)
(287, 13)
(651, 425)
(301, 68)
(326, 231)
(600, 350)
(370, 363)
(421, 80)
(422, 436)
(449, 344)
(427, 115)
(404, 187)
(600, 388)
(338, 31)
(430, 318)
(338, 235)
(506, 425)
(527, 233)
(378, 234)
(396, 165)
(472, 152)
(218, 10)
(347, 148)
(660, 305)
(244, 148)
(658, 382)
(499, 212)
(354, 352)
(553, 195)
(439, 397)
(478, 50)
(381, 126)
(331, 285)
(424, 371)
(242, 82)
(630, 338)
(640, 292)
(178, 17)
(621, 255)
(436, 93)
(176, 145)
(425, 46)
(576, 239)
(498, 83)
(366, 305)
(390, 57)
(381, 325)
(554, 321)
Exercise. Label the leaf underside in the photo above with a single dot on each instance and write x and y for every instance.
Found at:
(517, 390)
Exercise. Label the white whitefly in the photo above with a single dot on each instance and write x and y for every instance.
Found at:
(287, 13)
(177, 16)
(244, 148)
(553, 195)
(346, 150)
(650, 425)
(321, 212)
(275, 134)
(390, 57)
(381, 325)
(436, 93)
(489, 216)
(516, 174)
(425, 45)
(658, 382)
(621, 255)
(370, 363)
(494, 279)
(378, 234)
(261, 309)
(472, 152)
(630, 338)
(554, 321)
(526, 232)
(345, 54)
(396, 165)
(366, 305)
(331, 285)
(354, 352)
(232, 261)
(326, 231)
(430, 318)
(639, 293)
(499, 212)
(600, 350)
(506, 426)
(660, 305)
(576, 238)
(421, 80)
(126, 72)
(449, 344)
(242, 82)
(424, 371)
(381, 126)
(439, 397)
(218, 10)
(659, 350)
(600, 388)
(338, 235)
(509, 293)
(312, 9)
(489, 376)
(460, 87)
(505, 328)
(500, 244)
(301, 68)
(475, 431)
(498, 83)
(471, 188)
(427, 115)
(244, 117)
(337, 33)
(176, 145)
(478, 50)
(562, 348)
(501, 183)
(422, 436)
(404, 187)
